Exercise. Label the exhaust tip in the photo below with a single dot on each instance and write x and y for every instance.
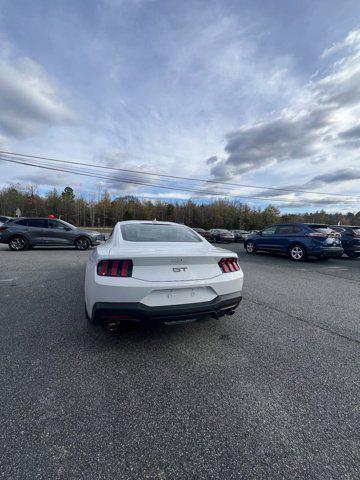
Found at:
(230, 312)
(112, 326)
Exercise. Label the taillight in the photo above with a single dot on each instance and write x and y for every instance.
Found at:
(2, 229)
(115, 268)
(229, 265)
(316, 235)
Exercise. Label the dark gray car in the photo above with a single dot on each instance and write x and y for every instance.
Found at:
(24, 233)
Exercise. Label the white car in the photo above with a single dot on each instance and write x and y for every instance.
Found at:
(160, 270)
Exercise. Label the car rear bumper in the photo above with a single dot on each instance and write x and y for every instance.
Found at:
(101, 238)
(219, 306)
(330, 252)
(353, 248)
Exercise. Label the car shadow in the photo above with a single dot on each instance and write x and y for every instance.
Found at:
(130, 332)
(285, 257)
(49, 249)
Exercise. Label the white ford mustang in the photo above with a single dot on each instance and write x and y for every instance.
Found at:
(160, 270)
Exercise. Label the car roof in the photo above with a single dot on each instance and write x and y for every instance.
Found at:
(285, 224)
(345, 226)
(38, 218)
(153, 222)
(318, 224)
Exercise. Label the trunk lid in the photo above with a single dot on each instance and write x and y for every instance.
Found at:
(180, 262)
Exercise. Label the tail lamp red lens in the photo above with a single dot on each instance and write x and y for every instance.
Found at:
(229, 265)
(115, 268)
(316, 235)
(2, 229)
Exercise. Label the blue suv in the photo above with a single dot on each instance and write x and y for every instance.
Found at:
(299, 240)
(350, 239)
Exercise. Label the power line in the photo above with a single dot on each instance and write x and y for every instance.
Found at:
(125, 180)
(177, 177)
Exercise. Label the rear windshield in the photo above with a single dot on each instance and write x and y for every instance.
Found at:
(148, 232)
(321, 228)
(356, 231)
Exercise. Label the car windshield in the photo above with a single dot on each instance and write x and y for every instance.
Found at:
(221, 230)
(356, 231)
(68, 224)
(150, 232)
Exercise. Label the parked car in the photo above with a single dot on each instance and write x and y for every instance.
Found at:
(350, 239)
(221, 235)
(251, 232)
(160, 271)
(239, 235)
(4, 219)
(299, 240)
(24, 233)
(204, 233)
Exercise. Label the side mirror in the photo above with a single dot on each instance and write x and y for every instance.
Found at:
(67, 229)
(260, 233)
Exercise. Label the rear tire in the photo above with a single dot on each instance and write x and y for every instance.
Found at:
(297, 253)
(82, 243)
(250, 247)
(18, 243)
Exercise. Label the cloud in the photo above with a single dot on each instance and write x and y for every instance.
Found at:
(340, 175)
(116, 158)
(211, 160)
(29, 99)
(300, 198)
(334, 177)
(310, 129)
(55, 179)
(308, 202)
(351, 41)
(351, 133)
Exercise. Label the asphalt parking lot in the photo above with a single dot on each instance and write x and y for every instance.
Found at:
(271, 392)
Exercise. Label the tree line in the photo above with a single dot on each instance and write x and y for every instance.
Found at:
(105, 211)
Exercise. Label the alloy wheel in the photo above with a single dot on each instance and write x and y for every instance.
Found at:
(250, 247)
(18, 243)
(82, 244)
(297, 253)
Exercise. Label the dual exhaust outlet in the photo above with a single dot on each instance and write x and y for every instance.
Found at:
(112, 324)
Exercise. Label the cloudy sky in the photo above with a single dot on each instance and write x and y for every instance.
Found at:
(247, 92)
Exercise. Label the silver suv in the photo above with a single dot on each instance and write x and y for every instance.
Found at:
(24, 233)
